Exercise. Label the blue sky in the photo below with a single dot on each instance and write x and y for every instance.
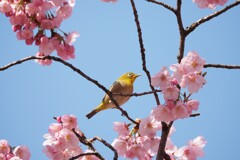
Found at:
(108, 47)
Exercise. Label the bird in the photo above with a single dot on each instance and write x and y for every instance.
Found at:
(123, 85)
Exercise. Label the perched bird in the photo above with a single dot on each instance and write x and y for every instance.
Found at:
(123, 85)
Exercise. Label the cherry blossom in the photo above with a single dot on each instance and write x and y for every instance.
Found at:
(46, 17)
(193, 150)
(209, 3)
(161, 79)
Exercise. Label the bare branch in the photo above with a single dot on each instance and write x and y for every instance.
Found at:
(107, 145)
(87, 154)
(161, 154)
(162, 4)
(142, 49)
(181, 29)
(193, 26)
(77, 71)
(137, 94)
(195, 115)
(222, 66)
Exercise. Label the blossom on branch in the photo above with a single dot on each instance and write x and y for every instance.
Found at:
(209, 3)
(32, 20)
(13, 153)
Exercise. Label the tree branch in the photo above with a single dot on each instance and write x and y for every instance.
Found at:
(142, 49)
(77, 71)
(193, 26)
(107, 145)
(162, 4)
(87, 154)
(181, 29)
(137, 94)
(222, 66)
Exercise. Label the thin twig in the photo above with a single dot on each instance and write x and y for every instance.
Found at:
(87, 154)
(107, 145)
(77, 71)
(142, 49)
(224, 66)
(182, 31)
(137, 94)
(193, 26)
(162, 4)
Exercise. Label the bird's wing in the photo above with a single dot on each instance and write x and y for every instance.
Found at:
(115, 88)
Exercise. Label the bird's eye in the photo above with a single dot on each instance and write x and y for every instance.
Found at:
(129, 74)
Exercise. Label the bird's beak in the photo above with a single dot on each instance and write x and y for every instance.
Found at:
(137, 75)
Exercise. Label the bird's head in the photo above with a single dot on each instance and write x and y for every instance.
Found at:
(129, 77)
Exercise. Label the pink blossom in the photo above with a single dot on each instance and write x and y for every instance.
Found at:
(192, 105)
(22, 152)
(149, 126)
(69, 121)
(4, 147)
(43, 62)
(89, 157)
(64, 11)
(209, 3)
(5, 7)
(180, 111)
(57, 3)
(24, 34)
(193, 82)
(65, 51)
(137, 151)
(69, 138)
(170, 93)
(151, 145)
(178, 71)
(121, 128)
(31, 8)
(48, 45)
(72, 38)
(54, 128)
(161, 79)
(2, 157)
(162, 113)
(47, 24)
(192, 62)
(121, 146)
(193, 150)
(19, 19)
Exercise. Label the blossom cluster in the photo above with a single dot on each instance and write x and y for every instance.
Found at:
(61, 142)
(13, 153)
(143, 143)
(209, 3)
(187, 74)
(32, 20)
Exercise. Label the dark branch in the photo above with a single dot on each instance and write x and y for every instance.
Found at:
(162, 4)
(142, 49)
(222, 66)
(87, 154)
(195, 115)
(207, 18)
(138, 94)
(107, 145)
(181, 29)
(77, 71)
(161, 154)
(84, 140)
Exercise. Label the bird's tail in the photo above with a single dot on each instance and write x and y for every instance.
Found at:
(96, 110)
(92, 113)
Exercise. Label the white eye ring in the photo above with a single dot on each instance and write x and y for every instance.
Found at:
(130, 74)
